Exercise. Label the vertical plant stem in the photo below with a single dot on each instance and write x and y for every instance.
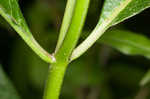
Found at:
(55, 79)
(70, 36)
(66, 22)
(73, 31)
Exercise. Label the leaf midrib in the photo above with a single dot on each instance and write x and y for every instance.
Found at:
(98, 31)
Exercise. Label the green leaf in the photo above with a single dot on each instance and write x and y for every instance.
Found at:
(114, 11)
(146, 79)
(127, 42)
(9, 9)
(118, 10)
(7, 91)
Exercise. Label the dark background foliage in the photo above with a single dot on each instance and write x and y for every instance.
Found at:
(101, 73)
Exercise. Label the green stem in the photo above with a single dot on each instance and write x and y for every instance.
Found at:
(55, 80)
(66, 22)
(74, 30)
(66, 44)
(89, 41)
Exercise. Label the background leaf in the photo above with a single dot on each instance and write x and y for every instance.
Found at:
(7, 91)
(10, 10)
(127, 42)
(146, 79)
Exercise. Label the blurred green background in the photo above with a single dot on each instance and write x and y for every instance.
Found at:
(101, 73)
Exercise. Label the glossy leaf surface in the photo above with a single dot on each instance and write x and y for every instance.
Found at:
(9, 9)
(114, 11)
(119, 10)
(127, 42)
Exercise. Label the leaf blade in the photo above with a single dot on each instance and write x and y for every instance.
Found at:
(10, 11)
(146, 79)
(140, 5)
(135, 44)
(114, 11)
